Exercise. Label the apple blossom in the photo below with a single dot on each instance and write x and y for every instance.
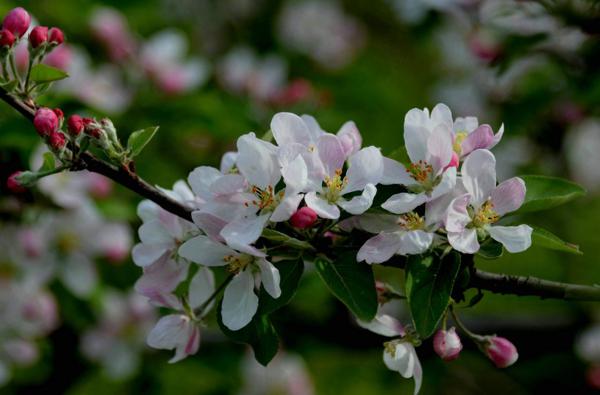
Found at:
(178, 332)
(7, 39)
(471, 216)
(446, 344)
(17, 21)
(38, 36)
(45, 121)
(304, 218)
(55, 36)
(500, 351)
(13, 183)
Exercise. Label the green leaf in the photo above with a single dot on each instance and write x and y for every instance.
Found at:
(547, 192)
(429, 283)
(259, 334)
(49, 163)
(290, 273)
(351, 282)
(543, 238)
(138, 140)
(42, 73)
(490, 249)
(283, 239)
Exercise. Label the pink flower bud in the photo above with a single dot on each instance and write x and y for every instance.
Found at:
(303, 218)
(13, 183)
(38, 36)
(501, 351)
(75, 125)
(454, 161)
(45, 121)
(17, 21)
(56, 36)
(57, 141)
(59, 114)
(447, 344)
(7, 39)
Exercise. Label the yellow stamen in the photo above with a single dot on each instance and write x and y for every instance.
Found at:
(335, 185)
(411, 221)
(420, 171)
(486, 215)
(458, 140)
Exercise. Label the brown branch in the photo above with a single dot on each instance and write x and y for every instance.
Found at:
(122, 175)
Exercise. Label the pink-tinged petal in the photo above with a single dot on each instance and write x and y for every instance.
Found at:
(457, 217)
(148, 210)
(313, 126)
(146, 254)
(508, 195)
(202, 287)
(295, 175)
(417, 375)
(404, 360)
(480, 138)
(175, 331)
(289, 128)
(204, 251)
(441, 114)
(210, 224)
(257, 161)
(416, 133)
(465, 241)
(401, 203)
(240, 233)
(365, 167)
(228, 161)
(384, 325)
(323, 208)
(331, 153)
(380, 248)
(153, 232)
(394, 172)
(239, 301)
(286, 208)
(439, 148)
(160, 280)
(226, 185)
(361, 203)
(513, 238)
(269, 277)
(436, 210)
(415, 242)
(201, 178)
(498, 136)
(350, 138)
(479, 176)
(446, 185)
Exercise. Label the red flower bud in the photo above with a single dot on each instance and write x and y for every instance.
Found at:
(38, 36)
(7, 39)
(303, 218)
(13, 183)
(57, 141)
(501, 351)
(59, 114)
(45, 121)
(75, 125)
(17, 21)
(56, 36)
(447, 344)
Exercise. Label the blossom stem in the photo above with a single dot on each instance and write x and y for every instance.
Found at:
(458, 322)
(200, 310)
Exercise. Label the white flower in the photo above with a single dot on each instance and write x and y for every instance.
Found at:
(175, 331)
(470, 216)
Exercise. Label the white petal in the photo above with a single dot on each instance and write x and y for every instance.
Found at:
(361, 203)
(177, 332)
(153, 232)
(313, 126)
(441, 114)
(323, 208)
(479, 175)
(416, 133)
(365, 167)
(295, 174)
(514, 238)
(498, 136)
(209, 223)
(286, 208)
(239, 234)
(415, 242)
(228, 161)
(289, 128)
(395, 173)
(257, 161)
(147, 254)
(380, 248)
(79, 275)
(350, 138)
(439, 148)
(331, 153)
(239, 301)
(148, 210)
(384, 325)
(223, 187)
(269, 276)
(403, 359)
(160, 280)
(205, 251)
(465, 241)
(508, 195)
(446, 185)
(457, 217)
(401, 203)
(201, 178)
(202, 287)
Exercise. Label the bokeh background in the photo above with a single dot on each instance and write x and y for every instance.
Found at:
(207, 71)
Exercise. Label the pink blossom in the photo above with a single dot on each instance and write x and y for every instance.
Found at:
(501, 351)
(304, 218)
(45, 121)
(447, 344)
(38, 36)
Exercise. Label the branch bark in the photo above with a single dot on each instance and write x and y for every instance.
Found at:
(121, 175)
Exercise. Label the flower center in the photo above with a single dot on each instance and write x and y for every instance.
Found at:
(67, 242)
(486, 215)
(266, 199)
(458, 140)
(237, 263)
(334, 186)
(411, 221)
(420, 171)
(390, 347)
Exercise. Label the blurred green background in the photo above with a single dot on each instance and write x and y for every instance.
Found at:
(541, 87)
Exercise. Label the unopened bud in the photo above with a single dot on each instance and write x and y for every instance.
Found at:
(17, 21)
(303, 218)
(56, 36)
(447, 344)
(75, 125)
(45, 121)
(59, 114)
(7, 39)
(57, 141)
(13, 183)
(38, 36)
(501, 351)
